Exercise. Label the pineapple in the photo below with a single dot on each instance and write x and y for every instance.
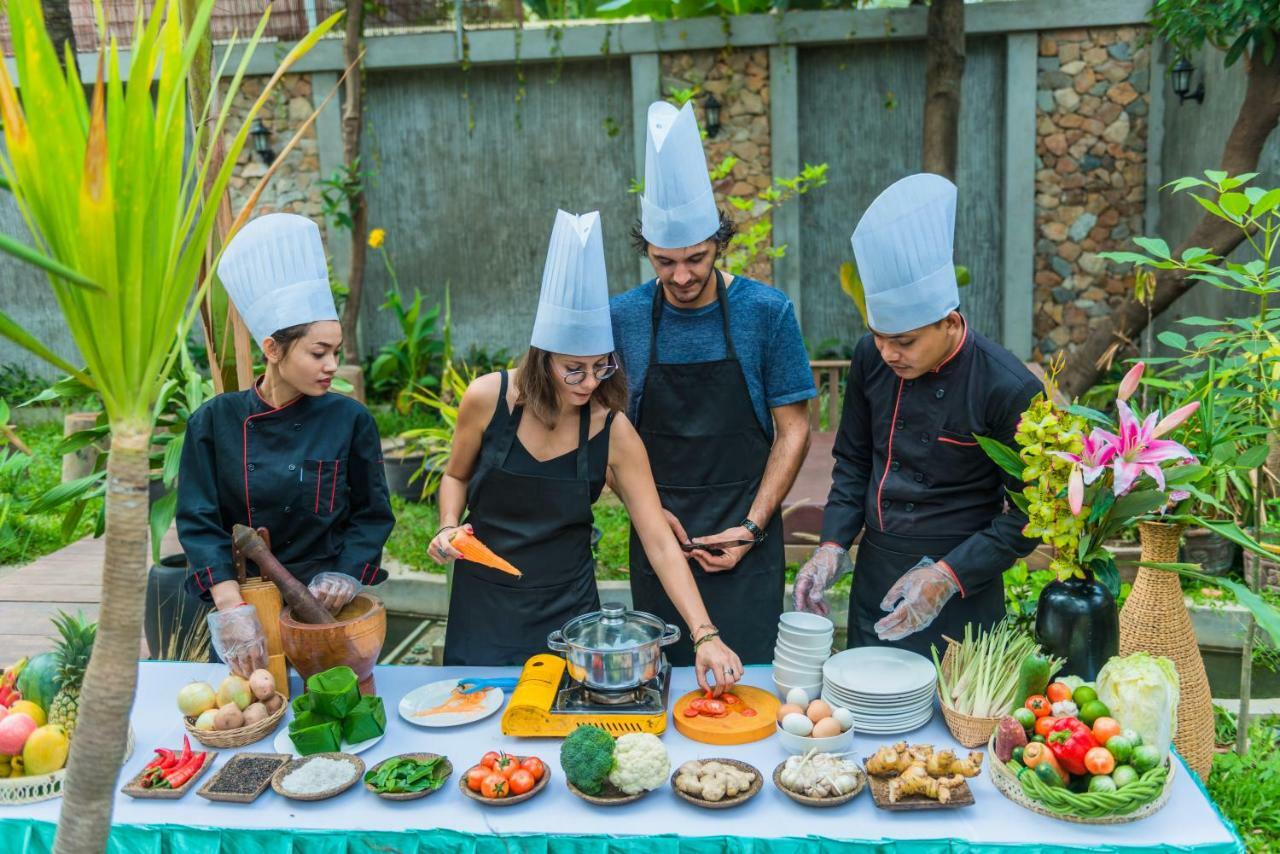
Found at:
(73, 657)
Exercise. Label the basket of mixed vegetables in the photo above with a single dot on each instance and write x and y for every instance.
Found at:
(1093, 753)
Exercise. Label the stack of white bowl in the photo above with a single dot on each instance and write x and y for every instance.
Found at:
(804, 645)
(888, 690)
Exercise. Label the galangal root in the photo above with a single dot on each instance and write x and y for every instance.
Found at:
(920, 770)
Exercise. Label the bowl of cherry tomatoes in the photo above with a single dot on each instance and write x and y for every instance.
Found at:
(502, 779)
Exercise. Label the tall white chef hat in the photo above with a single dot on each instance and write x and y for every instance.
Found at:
(573, 307)
(903, 245)
(678, 207)
(274, 271)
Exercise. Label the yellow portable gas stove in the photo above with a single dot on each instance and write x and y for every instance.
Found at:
(546, 702)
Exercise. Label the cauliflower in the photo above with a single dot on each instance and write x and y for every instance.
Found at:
(640, 763)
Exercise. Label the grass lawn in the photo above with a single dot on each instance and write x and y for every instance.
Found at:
(24, 537)
(1247, 788)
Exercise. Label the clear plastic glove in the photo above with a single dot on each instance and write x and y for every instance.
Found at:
(716, 659)
(333, 590)
(825, 566)
(915, 600)
(238, 639)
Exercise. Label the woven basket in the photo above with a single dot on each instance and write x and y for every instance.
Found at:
(241, 736)
(15, 791)
(968, 730)
(1155, 620)
(1009, 786)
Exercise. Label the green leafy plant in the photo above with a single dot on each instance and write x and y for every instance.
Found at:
(754, 243)
(1246, 788)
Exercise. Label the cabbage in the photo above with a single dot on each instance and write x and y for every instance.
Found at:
(1142, 693)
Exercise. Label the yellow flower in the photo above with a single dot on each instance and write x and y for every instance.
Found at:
(376, 237)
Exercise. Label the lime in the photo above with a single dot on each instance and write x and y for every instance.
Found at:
(1092, 710)
(1145, 757)
(1124, 775)
(1102, 783)
(1084, 695)
(1120, 747)
(1025, 717)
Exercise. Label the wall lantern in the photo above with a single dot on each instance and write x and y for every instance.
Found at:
(712, 108)
(1182, 73)
(262, 142)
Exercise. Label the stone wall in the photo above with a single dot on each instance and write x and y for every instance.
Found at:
(739, 79)
(1092, 97)
(295, 186)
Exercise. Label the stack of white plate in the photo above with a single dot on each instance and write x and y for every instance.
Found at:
(888, 690)
(804, 645)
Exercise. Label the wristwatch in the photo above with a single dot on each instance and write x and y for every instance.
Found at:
(754, 529)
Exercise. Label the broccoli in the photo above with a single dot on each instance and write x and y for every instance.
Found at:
(587, 758)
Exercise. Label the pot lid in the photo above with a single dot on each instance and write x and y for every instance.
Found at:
(613, 627)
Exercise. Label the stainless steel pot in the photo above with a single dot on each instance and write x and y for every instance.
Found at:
(613, 649)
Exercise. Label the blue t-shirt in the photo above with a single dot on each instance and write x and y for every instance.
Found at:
(765, 333)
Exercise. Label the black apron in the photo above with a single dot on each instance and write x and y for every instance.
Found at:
(708, 453)
(542, 525)
(883, 559)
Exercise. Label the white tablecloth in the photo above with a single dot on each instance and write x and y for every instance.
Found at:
(1187, 822)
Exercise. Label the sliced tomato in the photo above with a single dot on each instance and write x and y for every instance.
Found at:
(748, 713)
(690, 712)
(715, 708)
(731, 699)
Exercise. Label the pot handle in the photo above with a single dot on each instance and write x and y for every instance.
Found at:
(556, 642)
(670, 636)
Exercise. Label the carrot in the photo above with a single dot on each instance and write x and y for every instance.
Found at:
(477, 552)
(1037, 753)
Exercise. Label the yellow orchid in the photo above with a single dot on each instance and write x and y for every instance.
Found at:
(376, 237)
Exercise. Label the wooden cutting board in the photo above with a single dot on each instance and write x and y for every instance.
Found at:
(735, 727)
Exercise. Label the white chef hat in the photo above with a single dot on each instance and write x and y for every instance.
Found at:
(678, 207)
(903, 245)
(573, 307)
(274, 271)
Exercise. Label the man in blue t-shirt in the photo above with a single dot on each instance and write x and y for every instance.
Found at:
(719, 381)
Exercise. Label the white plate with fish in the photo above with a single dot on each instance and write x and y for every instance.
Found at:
(440, 705)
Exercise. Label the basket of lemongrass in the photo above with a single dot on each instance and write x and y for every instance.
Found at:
(978, 679)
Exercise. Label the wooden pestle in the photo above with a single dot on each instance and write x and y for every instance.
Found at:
(305, 607)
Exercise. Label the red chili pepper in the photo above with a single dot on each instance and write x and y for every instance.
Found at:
(186, 749)
(1070, 739)
(175, 777)
(164, 756)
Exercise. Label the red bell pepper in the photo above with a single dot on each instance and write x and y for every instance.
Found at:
(1070, 739)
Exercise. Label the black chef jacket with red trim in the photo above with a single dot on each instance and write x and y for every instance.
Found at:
(310, 472)
(906, 461)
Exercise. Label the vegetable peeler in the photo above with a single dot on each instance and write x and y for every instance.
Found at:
(470, 685)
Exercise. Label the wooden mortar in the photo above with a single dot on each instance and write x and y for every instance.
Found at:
(355, 640)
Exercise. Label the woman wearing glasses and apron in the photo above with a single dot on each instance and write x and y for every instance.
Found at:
(531, 452)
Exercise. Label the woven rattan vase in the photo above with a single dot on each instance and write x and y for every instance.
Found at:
(1155, 620)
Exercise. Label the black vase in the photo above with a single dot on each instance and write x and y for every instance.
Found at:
(1077, 619)
(173, 615)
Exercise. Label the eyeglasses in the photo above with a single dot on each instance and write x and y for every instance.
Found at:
(601, 373)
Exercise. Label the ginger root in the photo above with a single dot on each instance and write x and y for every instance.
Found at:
(896, 759)
(944, 763)
(920, 784)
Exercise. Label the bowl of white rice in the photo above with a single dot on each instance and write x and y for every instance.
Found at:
(317, 777)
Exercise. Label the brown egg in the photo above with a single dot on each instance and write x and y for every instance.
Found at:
(818, 710)
(826, 728)
(786, 709)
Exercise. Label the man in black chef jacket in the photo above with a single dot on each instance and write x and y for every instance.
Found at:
(937, 532)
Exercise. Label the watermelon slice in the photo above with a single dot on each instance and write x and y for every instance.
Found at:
(475, 551)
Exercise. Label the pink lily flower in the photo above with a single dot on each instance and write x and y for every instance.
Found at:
(1098, 449)
(1175, 418)
(1129, 384)
(1137, 450)
(1075, 491)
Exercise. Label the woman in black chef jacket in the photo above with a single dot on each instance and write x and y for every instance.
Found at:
(286, 454)
(531, 451)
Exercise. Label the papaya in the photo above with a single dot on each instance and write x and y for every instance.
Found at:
(39, 681)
